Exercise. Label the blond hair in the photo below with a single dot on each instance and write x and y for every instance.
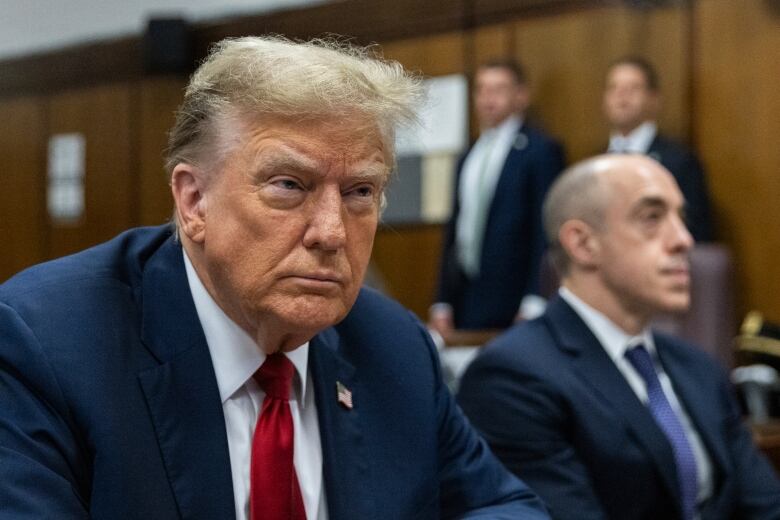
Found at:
(275, 76)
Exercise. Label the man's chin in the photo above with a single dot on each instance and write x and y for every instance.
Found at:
(313, 313)
(677, 304)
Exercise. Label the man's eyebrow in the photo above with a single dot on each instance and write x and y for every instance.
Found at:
(291, 162)
(286, 161)
(650, 201)
(372, 171)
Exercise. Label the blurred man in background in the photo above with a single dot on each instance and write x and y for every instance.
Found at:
(632, 100)
(494, 240)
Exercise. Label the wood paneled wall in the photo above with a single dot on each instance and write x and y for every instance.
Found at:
(22, 176)
(159, 98)
(737, 130)
(125, 127)
(103, 115)
(718, 62)
(566, 56)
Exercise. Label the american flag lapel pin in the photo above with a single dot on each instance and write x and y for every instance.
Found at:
(343, 395)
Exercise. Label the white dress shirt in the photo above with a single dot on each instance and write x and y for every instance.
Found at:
(616, 342)
(481, 171)
(236, 357)
(637, 141)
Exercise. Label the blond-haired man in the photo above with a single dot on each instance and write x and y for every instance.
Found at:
(234, 368)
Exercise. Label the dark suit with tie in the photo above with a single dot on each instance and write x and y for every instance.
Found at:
(109, 406)
(558, 412)
(689, 174)
(513, 241)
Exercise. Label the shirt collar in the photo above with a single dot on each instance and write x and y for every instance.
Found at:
(508, 127)
(234, 354)
(614, 339)
(499, 136)
(637, 141)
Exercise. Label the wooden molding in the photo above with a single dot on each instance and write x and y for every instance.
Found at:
(80, 66)
(365, 21)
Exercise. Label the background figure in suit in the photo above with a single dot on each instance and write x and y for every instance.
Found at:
(604, 418)
(631, 103)
(233, 367)
(494, 240)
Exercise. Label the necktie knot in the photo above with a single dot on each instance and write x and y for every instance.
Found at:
(275, 376)
(640, 359)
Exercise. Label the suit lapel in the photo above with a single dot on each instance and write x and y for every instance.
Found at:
(512, 167)
(655, 150)
(698, 398)
(182, 394)
(345, 464)
(597, 370)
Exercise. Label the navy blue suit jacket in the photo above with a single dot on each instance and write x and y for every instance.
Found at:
(109, 406)
(514, 240)
(558, 412)
(689, 174)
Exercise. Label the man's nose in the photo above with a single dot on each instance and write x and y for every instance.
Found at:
(680, 237)
(326, 229)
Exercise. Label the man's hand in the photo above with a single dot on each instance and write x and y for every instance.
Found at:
(440, 318)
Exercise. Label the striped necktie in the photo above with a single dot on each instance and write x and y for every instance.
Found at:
(670, 423)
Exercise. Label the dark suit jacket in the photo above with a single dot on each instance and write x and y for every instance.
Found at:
(109, 406)
(514, 239)
(689, 174)
(559, 413)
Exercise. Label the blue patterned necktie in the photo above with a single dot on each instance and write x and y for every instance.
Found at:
(671, 425)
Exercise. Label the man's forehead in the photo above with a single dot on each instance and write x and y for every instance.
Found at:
(626, 72)
(495, 75)
(633, 178)
(340, 134)
(313, 153)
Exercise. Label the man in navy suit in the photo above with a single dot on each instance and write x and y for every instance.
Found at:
(632, 99)
(601, 416)
(232, 367)
(494, 241)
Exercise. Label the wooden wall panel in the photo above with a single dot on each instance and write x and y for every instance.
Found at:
(435, 55)
(737, 127)
(103, 115)
(408, 260)
(567, 56)
(159, 99)
(492, 41)
(22, 144)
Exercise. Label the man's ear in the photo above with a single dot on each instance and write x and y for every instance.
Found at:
(188, 185)
(580, 242)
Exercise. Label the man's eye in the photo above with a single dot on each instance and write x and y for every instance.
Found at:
(364, 191)
(287, 184)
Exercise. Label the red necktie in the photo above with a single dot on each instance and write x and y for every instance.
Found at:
(274, 493)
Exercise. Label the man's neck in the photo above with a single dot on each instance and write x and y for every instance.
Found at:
(628, 130)
(488, 128)
(268, 332)
(597, 297)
